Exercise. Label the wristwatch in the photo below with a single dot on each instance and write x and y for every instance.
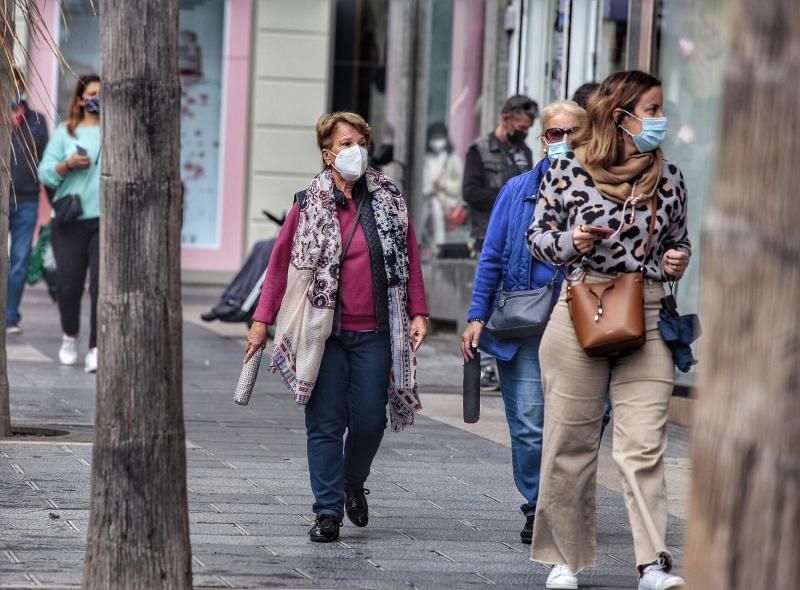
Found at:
(479, 320)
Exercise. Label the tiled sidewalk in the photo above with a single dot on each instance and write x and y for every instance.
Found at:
(444, 510)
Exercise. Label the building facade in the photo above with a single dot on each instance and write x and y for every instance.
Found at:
(258, 73)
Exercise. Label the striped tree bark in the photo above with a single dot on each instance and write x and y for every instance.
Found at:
(6, 85)
(744, 518)
(138, 537)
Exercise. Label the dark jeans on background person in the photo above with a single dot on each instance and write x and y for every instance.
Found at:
(21, 225)
(521, 387)
(76, 247)
(351, 394)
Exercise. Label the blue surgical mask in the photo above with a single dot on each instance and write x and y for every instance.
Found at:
(93, 105)
(654, 131)
(557, 150)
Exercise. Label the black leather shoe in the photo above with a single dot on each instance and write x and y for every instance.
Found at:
(526, 536)
(325, 529)
(355, 505)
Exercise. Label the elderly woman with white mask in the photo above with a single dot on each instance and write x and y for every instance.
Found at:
(344, 289)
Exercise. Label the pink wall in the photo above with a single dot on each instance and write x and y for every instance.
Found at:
(466, 72)
(43, 75)
(234, 135)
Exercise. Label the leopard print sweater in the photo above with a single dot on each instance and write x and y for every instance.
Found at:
(568, 198)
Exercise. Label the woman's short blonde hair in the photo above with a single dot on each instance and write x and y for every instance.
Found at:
(562, 106)
(327, 123)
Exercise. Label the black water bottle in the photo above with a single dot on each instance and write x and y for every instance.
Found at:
(472, 388)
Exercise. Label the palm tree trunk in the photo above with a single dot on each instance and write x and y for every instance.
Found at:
(744, 519)
(6, 85)
(138, 535)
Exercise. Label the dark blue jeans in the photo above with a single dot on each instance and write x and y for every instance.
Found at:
(350, 395)
(21, 223)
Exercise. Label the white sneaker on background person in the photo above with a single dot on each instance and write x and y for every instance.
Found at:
(68, 354)
(656, 577)
(12, 330)
(561, 578)
(90, 363)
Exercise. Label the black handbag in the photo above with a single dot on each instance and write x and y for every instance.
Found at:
(68, 209)
(520, 314)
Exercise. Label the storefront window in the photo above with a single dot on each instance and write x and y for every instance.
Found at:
(612, 38)
(359, 61)
(691, 42)
(200, 65)
(453, 119)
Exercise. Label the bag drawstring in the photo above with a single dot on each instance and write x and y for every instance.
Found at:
(632, 201)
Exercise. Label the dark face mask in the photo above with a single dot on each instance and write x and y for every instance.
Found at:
(93, 105)
(516, 137)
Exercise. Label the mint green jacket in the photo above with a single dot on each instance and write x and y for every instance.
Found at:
(85, 183)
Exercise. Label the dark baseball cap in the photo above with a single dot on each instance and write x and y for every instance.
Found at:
(520, 102)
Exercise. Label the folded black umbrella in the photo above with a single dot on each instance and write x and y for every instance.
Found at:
(678, 331)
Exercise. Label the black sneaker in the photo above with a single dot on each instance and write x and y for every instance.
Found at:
(526, 536)
(355, 505)
(325, 529)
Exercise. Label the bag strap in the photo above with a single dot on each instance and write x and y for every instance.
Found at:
(353, 229)
(651, 230)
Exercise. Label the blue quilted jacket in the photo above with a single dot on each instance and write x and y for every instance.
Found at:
(505, 262)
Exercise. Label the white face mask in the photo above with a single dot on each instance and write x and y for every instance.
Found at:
(437, 145)
(351, 162)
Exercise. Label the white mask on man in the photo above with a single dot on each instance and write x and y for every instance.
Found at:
(351, 162)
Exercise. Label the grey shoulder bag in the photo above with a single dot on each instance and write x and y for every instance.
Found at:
(520, 314)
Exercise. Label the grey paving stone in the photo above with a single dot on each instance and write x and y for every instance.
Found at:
(444, 509)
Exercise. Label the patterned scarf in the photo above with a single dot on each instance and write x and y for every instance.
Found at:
(305, 320)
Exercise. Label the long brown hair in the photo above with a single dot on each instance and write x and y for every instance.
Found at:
(601, 137)
(76, 110)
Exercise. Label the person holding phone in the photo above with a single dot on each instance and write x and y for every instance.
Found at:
(596, 205)
(344, 290)
(71, 166)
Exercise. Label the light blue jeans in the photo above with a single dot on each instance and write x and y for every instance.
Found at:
(521, 386)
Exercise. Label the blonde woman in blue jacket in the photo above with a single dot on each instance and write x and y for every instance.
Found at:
(506, 263)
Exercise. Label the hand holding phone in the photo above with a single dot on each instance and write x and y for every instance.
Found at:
(601, 231)
(80, 150)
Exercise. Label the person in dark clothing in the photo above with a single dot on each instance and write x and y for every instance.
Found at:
(494, 158)
(231, 306)
(28, 139)
(584, 93)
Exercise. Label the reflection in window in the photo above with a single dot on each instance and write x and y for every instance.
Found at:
(455, 76)
(359, 61)
(691, 50)
(612, 38)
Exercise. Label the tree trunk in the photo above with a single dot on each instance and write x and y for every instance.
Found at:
(138, 534)
(744, 519)
(6, 86)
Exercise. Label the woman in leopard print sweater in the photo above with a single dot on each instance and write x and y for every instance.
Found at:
(595, 204)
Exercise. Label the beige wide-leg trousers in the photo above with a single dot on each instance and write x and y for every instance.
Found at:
(575, 385)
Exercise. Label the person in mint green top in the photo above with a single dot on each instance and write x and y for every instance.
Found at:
(70, 165)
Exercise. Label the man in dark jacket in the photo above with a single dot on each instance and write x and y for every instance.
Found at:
(28, 140)
(494, 158)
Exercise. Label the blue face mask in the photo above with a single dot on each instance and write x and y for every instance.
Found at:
(654, 131)
(93, 105)
(557, 150)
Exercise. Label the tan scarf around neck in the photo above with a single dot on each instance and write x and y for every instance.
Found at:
(616, 183)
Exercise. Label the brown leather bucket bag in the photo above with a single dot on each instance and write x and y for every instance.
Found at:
(609, 316)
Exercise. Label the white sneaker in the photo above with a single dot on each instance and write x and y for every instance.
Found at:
(13, 330)
(68, 355)
(656, 578)
(561, 578)
(90, 363)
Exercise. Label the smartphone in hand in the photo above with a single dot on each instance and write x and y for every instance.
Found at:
(80, 150)
(600, 231)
